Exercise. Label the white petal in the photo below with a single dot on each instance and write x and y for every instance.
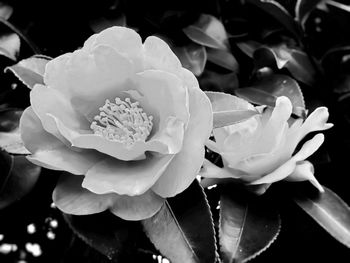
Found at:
(305, 171)
(87, 79)
(71, 198)
(158, 55)
(137, 207)
(45, 100)
(288, 167)
(210, 170)
(186, 164)
(125, 178)
(49, 152)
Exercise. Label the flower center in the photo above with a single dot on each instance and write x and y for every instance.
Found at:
(123, 121)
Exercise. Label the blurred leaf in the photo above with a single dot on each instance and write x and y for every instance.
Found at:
(183, 230)
(223, 59)
(303, 9)
(18, 180)
(101, 23)
(214, 81)
(338, 5)
(10, 45)
(249, 47)
(339, 50)
(30, 71)
(296, 61)
(9, 119)
(228, 109)
(328, 210)
(5, 10)
(22, 36)
(266, 91)
(106, 233)
(248, 226)
(208, 31)
(193, 57)
(10, 137)
(277, 11)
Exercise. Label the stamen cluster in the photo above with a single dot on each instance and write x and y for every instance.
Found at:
(123, 121)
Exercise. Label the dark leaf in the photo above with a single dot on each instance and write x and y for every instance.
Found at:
(296, 61)
(9, 119)
(10, 45)
(277, 11)
(106, 233)
(10, 137)
(341, 6)
(183, 230)
(208, 31)
(193, 57)
(30, 71)
(248, 225)
(266, 91)
(19, 176)
(223, 59)
(5, 10)
(330, 211)
(249, 47)
(303, 8)
(213, 81)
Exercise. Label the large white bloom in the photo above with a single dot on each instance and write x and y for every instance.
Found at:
(125, 118)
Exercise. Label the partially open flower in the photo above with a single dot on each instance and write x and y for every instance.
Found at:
(125, 118)
(261, 150)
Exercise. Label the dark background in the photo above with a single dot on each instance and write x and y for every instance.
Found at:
(56, 27)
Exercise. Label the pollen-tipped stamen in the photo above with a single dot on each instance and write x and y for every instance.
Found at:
(123, 121)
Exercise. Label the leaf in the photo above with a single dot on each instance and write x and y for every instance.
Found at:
(106, 233)
(9, 119)
(266, 91)
(248, 47)
(183, 229)
(193, 57)
(338, 5)
(303, 9)
(223, 59)
(5, 10)
(248, 225)
(10, 137)
(211, 80)
(329, 211)
(208, 31)
(10, 45)
(17, 181)
(296, 61)
(277, 11)
(30, 71)
(229, 109)
(20, 34)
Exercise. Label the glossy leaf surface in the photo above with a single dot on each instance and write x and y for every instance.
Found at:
(248, 226)
(328, 210)
(183, 230)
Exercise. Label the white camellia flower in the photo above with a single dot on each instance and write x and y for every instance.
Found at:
(124, 119)
(261, 149)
